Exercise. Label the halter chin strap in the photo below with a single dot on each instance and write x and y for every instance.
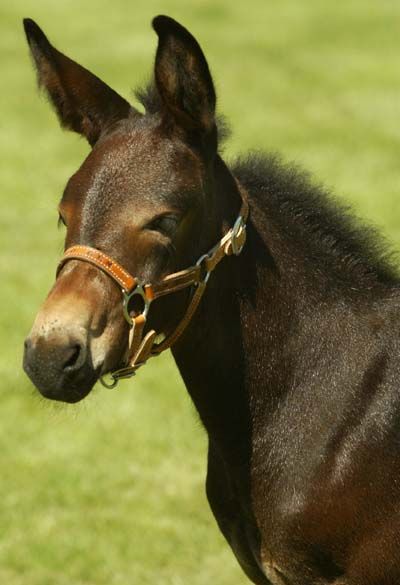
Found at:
(143, 347)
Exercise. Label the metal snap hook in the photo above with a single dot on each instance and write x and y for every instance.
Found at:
(201, 262)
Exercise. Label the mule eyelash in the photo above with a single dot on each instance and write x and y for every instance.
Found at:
(165, 224)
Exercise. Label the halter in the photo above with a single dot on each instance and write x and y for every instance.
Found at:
(141, 347)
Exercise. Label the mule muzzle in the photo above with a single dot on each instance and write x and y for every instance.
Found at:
(60, 366)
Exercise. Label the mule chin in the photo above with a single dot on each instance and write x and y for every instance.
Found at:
(71, 394)
(64, 389)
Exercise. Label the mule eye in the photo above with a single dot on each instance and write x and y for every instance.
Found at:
(166, 224)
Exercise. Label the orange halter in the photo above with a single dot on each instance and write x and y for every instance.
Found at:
(141, 348)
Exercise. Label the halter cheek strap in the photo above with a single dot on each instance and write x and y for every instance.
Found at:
(142, 347)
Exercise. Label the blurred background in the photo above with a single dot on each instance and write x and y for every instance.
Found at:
(110, 491)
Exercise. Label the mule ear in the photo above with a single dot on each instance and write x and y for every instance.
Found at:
(82, 101)
(183, 78)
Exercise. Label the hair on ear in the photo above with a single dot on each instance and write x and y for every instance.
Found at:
(183, 79)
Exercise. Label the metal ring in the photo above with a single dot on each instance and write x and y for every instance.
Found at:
(138, 290)
(199, 263)
(113, 382)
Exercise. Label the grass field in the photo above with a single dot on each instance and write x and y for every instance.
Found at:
(110, 491)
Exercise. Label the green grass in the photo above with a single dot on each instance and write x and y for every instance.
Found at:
(110, 491)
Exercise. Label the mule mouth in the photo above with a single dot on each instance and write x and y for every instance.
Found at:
(64, 388)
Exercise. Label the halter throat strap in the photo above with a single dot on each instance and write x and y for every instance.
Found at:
(141, 346)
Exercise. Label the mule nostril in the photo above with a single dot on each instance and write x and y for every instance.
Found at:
(72, 357)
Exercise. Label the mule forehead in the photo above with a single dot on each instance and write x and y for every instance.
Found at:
(139, 172)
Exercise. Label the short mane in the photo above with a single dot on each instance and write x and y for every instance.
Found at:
(326, 233)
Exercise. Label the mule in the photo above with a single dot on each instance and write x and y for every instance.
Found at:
(291, 355)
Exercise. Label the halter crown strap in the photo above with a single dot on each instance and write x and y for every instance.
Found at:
(141, 348)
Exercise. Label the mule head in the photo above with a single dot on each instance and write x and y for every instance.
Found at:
(144, 196)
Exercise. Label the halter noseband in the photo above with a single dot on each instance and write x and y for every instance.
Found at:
(143, 347)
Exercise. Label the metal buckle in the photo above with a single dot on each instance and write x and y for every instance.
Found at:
(127, 372)
(238, 238)
(200, 262)
(138, 290)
